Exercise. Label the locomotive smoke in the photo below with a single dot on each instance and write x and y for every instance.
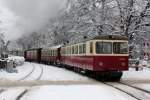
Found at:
(26, 16)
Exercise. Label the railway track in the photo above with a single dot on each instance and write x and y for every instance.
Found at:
(17, 96)
(135, 92)
(40, 73)
(23, 78)
(21, 94)
(135, 87)
(1, 91)
(32, 72)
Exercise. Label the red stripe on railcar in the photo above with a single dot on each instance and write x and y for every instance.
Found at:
(98, 63)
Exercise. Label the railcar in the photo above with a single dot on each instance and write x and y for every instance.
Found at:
(33, 55)
(51, 55)
(105, 55)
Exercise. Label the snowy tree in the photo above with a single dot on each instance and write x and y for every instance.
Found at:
(94, 17)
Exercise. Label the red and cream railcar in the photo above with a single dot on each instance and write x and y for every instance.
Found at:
(100, 54)
(33, 55)
(51, 55)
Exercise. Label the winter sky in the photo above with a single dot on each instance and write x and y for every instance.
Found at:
(18, 17)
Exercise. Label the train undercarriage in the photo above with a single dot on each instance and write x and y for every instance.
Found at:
(98, 75)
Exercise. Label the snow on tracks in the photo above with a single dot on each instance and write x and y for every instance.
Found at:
(35, 73)
(23, 78)
(12, 94)
(21, 72)
(133, 91)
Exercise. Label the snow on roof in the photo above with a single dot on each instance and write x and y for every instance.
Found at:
(57, 46)
(54, 47)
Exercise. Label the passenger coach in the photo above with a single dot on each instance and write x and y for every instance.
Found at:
(107, 55)
(51, 55)
(33, 55)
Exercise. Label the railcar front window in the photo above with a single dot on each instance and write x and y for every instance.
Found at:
(120, 47)
(103, 47)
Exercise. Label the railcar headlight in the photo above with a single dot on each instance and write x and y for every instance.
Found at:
(101, 64)
(123, 64)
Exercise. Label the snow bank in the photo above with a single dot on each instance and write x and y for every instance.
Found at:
(144, 63)
(17, 59)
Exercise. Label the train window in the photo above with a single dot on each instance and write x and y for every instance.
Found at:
(50, 52)
(103, 47)
(120, 47)
(65, 51)
(45, 52)
(72, 49)
(53, 52)
(80, 48)
(76, 49)
(69, 50)
(62, 51)
(84, 48)
(91, 47)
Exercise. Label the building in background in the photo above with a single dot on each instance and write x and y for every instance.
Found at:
(146, 49)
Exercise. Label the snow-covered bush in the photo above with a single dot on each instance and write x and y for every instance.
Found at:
(17, 60)
(144, 63)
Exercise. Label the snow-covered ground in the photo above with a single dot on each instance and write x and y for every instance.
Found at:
(21, 71)
(49, 73)
(66, 92)
(75, 92)
(11, 94)
(61, 74)
(33, 72)
(56, 92)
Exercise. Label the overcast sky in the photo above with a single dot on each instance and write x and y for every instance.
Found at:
(24, 16)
